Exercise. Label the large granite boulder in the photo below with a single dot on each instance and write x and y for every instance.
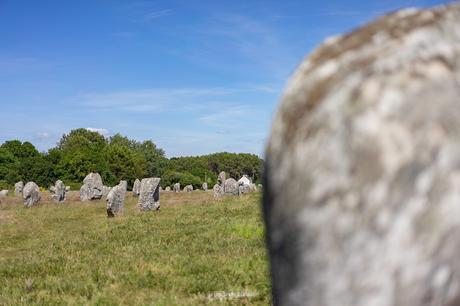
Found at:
(18, 187)
(58, 191)
(244, 189)
(205, 186)
(31, 194)
(177, 187)
(149, 198)
(362, 175)
(136, 188)
(92, 188)
(105, 191)
(217, 191)
(188, 188)
(231, 187)
(116, 199)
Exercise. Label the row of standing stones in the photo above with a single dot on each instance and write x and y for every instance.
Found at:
(147, 190)
(362, 168)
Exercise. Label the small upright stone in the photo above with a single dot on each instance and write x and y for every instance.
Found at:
(3, 193)
(177, 187)
(231, 187)
(168, 188)
(136, 188)
(18, 187)
(188, 188)
(149, 198)
(205, 186)
(116, 199)
(92, 187)
(59, 192)
(218, 191)
(31, 194)
(221, 178)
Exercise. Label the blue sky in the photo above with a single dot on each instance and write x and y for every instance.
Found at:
(196, 77)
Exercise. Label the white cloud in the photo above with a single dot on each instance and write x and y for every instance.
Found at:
(43, 136)
(101, 131)
(157, 14)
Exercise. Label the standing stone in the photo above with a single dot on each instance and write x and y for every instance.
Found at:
(362, 175)
(205, 186)
(149, 198)
(59, 192)
(244, 189)
(221, 178)
(168, 188)
(217, 191)
(3, 193)
(116, 199)
(161, 188)
(106, 190)
(188, 188)
(136, 188)
(177, 187)
(231, 187)
(18, 187)
(31, 194)
(92, 188)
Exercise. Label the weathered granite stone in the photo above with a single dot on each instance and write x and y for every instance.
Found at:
(244, 189)
(149, 198)
(116, 199)
(177, 187)
(221, 178)
(231, 187)
(58, 191)
(3, 193)
(18, 187)
(168, 188)
(188, 188)
(205, 186)
(136, 188)
(105, 191)
(362, 174)
(161, 188)
(31, 194)
(218, 191)
(92, 188)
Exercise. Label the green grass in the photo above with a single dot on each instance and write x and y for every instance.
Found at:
(195, 251)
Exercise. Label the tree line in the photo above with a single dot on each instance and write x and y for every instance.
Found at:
(117, 157)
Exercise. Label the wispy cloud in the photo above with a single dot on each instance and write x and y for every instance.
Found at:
(157, 14)
(101, 131)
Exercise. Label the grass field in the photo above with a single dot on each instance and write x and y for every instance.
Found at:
(195, 251)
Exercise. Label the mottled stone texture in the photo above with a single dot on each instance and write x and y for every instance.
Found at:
(59, 191)
(31, 194)
(218, 191)
(116, 199)
(177, 187)
(3, 193)
(231, 187)
(136, 188)
(168, 188)
(205, 186)
(362, 175)
(188, 188)
(149, 198)
(92, 188)
(18, 187)
(221, 178)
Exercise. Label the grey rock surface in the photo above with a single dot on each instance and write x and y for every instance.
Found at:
(168, 188)
(205, 186)
(18, 187)
(92, 188)
(188, 188)
(149, 198)
(59, 192)
(177, 187)
(31, 194)
(116, 199)
(218, 191)
(362, 174)
(231, 187)
(221, 178)
(4, 193)
(106, 190)
(136, 188)
(244, 189)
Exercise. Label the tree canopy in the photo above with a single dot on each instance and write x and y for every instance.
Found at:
(115, 158)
